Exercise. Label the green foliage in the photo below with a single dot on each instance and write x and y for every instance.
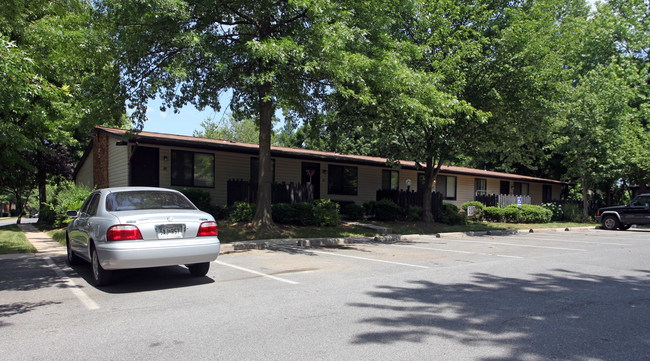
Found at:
(369, 207)
(200, 198)
(478, 209)
(414, 214)
(242, 212)
(66, 196)
(326, 213)
(572, 213)
(304, 213)
(386, 210)
(451, 215)
(353, 211)
(527, 213)
(557, 213)
(283, 213)
(493, 214)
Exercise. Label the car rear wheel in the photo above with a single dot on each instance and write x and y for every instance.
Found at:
(72, 258)
(101, 277)
(624, 227)
(199, 269)
(610, 222)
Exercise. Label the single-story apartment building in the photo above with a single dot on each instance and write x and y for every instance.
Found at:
(116, 158)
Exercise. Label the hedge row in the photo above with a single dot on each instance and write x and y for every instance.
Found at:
(527, 213)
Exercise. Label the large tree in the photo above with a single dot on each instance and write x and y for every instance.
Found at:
(58, 81)
(270, 54)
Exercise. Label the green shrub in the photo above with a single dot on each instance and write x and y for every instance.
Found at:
(242, 212)
(451, 215)
(304, 213)
(493, 214)
(386, 210)
(200, 198)
(370, 207)
(511, 214)
(326, 213)
(354, 212)
(535, 214)
(218, 212)
(556, 210)
(414, 214)
(67, 196)
(572, 213)
(478, 209)
(283, 213)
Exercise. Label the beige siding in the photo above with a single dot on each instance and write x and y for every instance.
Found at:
(118, 165)
(237, 166)
(85, 174)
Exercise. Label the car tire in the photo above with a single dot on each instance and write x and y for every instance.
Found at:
(610, 222)
(101, 277)
(72, 258)
(624, 227)
(199, 269)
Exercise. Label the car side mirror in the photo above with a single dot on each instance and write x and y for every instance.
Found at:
(72, 214)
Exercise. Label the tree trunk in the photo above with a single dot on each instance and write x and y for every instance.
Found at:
(430, 174)
(263, 220)
(585, 200)
(41, 177)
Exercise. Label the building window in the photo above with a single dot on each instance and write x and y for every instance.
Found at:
(389, 180)
(191, 169)
(521, 189)
(547, 193)
(255, 170)
(342, 180)
(446, 185)
(480, 186)
(421, 181)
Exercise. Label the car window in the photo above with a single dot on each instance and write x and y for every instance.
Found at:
(92, 206)
(84, 207)
(642, 201)
(132, 200)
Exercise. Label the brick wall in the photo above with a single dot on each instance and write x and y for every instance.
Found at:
(100, 160)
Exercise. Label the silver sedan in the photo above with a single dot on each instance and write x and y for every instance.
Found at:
(138, 227)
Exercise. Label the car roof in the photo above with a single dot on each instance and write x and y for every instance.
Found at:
(128, 189)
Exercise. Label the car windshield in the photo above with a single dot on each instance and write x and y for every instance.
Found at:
(132, 200)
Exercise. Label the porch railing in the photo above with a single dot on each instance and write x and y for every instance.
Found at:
(405, 199)
(501, 200)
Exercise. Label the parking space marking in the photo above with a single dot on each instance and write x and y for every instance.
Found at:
(569, 241)
(72, 286)
(522, 245)
(369, 259)
(454, 251)
(257, 273)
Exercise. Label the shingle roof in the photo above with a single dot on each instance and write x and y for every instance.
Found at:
(307, 154)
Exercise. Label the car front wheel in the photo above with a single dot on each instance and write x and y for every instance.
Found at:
(610, 222)
(101, 277)
(199, 269)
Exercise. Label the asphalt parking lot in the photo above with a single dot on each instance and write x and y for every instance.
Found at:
(581, 295)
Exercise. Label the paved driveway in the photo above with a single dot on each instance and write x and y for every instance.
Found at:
(540, 296)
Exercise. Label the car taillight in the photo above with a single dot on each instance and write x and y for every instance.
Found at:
(207, 229)
(123, 232)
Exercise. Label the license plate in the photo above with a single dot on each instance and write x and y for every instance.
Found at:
(168, 231)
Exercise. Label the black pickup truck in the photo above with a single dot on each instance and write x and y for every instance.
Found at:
(623, 217)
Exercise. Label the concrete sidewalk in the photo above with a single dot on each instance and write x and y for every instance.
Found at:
(43, 243)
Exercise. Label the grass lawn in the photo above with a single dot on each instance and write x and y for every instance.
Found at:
(432, 228)
(57, 234)
(13, 240)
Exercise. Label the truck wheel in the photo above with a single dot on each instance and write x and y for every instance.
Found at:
(610, 222)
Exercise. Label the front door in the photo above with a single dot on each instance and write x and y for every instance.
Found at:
(504, 187)
(145, 167)
(311, 174)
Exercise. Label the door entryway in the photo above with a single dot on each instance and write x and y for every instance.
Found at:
(311, 174)
(145, 167)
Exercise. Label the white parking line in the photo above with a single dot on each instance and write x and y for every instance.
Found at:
(454, 251)
(521, 245)
(73, 287)
(584, 242)
(257, 273)
(368, 259)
